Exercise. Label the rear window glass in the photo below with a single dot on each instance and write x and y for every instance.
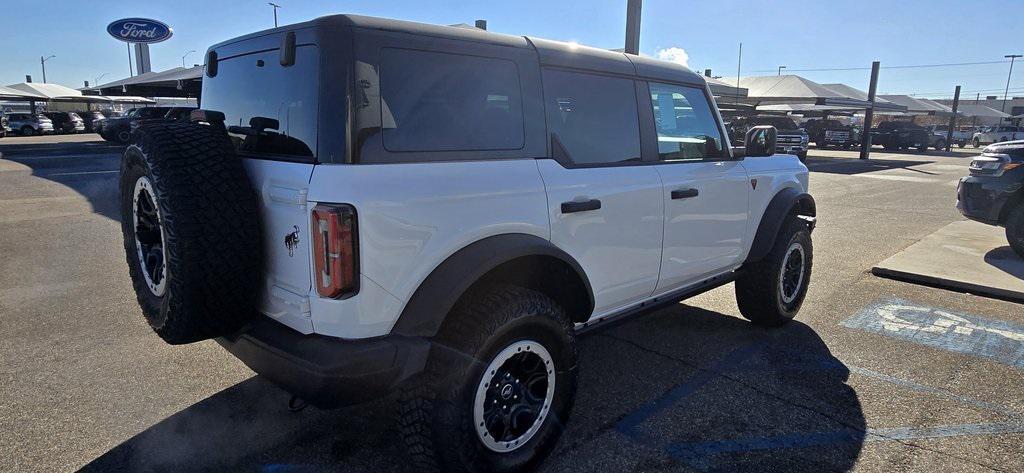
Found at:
(592, 119)
(447, 102)
(268, 109)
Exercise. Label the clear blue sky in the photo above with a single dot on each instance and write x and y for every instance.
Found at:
(797, 34)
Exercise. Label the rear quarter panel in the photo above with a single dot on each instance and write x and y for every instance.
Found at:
(413, 216)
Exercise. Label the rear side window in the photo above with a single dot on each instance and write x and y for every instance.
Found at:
(592, 119)
(268, 109)
(687, 130)
(447, 102)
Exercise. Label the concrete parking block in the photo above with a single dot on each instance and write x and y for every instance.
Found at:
(962, 256)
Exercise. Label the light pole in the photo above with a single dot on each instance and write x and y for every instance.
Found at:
(1005, 92)
(190, 51)
(42, 62)
(276, 6)
(780, 69)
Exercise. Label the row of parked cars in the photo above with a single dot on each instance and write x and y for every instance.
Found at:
(119, 129)
(30, 124)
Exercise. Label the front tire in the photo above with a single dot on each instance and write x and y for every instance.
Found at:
(771, 291)
(940, 145)
(498, 386)
(27, 131)
(977, 143)
(1015, 230)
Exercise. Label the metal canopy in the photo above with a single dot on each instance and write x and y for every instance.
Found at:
(881, 105)
(792, 89)
(46, 92)
(177, 82)
(917, 106)
(721, 88)
(980, 111)
(7, 93)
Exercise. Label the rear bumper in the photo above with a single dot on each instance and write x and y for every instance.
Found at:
(327, 371)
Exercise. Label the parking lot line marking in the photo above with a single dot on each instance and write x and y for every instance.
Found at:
(80, 173)
(972, 335)
(628, 424)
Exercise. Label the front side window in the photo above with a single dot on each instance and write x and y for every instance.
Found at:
(448, 102)
(687, 128)
(592, 119)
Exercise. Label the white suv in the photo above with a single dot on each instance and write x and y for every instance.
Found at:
(366, 205)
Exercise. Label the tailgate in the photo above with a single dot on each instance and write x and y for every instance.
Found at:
(282, 188)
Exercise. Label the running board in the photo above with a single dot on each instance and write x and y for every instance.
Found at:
(652, 305)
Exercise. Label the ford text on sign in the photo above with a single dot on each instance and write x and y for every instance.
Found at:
(139, 30)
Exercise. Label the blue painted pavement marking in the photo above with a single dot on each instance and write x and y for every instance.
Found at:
(969, 334)
(701, 454)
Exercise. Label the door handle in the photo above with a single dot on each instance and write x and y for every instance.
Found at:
(684, 193)
(580, 206)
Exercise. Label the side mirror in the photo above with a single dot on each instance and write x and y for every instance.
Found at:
(760, 141)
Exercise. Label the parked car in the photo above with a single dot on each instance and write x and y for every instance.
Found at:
(827, 132)
(960, 137)
(120, 129)
(791, 138)
(994, 192)
(66, 122)
(92, 120)
(899, 135)
(99, 125)
(5, 127)
(173, 114)
(996, 134)
(529, 194)
(27, 124)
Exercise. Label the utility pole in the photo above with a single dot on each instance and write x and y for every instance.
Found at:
(952, 120)
(739, 63)
(1005, 92)
(42, 62)
(276, 6)
(780, 69)
(869, 114)
(633, 8)
(190, 51)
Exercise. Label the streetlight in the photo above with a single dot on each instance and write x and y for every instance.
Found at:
(1011, 57)
(780, 69)
(276, 6)
(42, 62)
(190, 51)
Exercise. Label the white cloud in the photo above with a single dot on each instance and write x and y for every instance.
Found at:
(673, 54)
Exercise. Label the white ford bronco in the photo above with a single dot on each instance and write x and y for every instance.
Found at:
(364, 206)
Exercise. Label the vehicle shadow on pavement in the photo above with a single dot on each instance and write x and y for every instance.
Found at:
(90, 169)
(851, 166)
(682, 389)
(1006, 260)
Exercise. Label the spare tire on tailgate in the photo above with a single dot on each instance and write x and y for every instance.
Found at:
(190, 221)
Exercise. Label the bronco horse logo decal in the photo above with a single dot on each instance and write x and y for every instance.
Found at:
(291, 241)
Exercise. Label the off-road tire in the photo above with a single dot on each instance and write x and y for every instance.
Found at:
(209, 219)
(758, 288)
(436, 409)
(123, 136)
(1015, 229)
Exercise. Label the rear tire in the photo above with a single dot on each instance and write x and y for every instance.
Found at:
(940, 145)
(190, 222)
(455, 416)
(770, 291)
(976, 142)
(123, 136)
(27, 131)
(1015, 230)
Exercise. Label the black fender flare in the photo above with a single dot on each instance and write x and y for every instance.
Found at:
(430, 304)
(784, 203)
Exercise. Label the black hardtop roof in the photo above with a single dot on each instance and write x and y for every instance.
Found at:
(554, 53)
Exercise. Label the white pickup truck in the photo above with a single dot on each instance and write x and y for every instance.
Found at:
(960, 138)
(366, 205)
(997, 134)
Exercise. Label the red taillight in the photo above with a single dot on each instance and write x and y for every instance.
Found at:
(334, 250)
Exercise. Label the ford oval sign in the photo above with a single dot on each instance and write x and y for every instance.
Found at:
(139, 30)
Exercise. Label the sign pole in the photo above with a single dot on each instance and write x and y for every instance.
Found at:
(952, 119)
(869, 114)
(131, 72)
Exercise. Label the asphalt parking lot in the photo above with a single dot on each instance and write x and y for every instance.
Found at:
(86, 384)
